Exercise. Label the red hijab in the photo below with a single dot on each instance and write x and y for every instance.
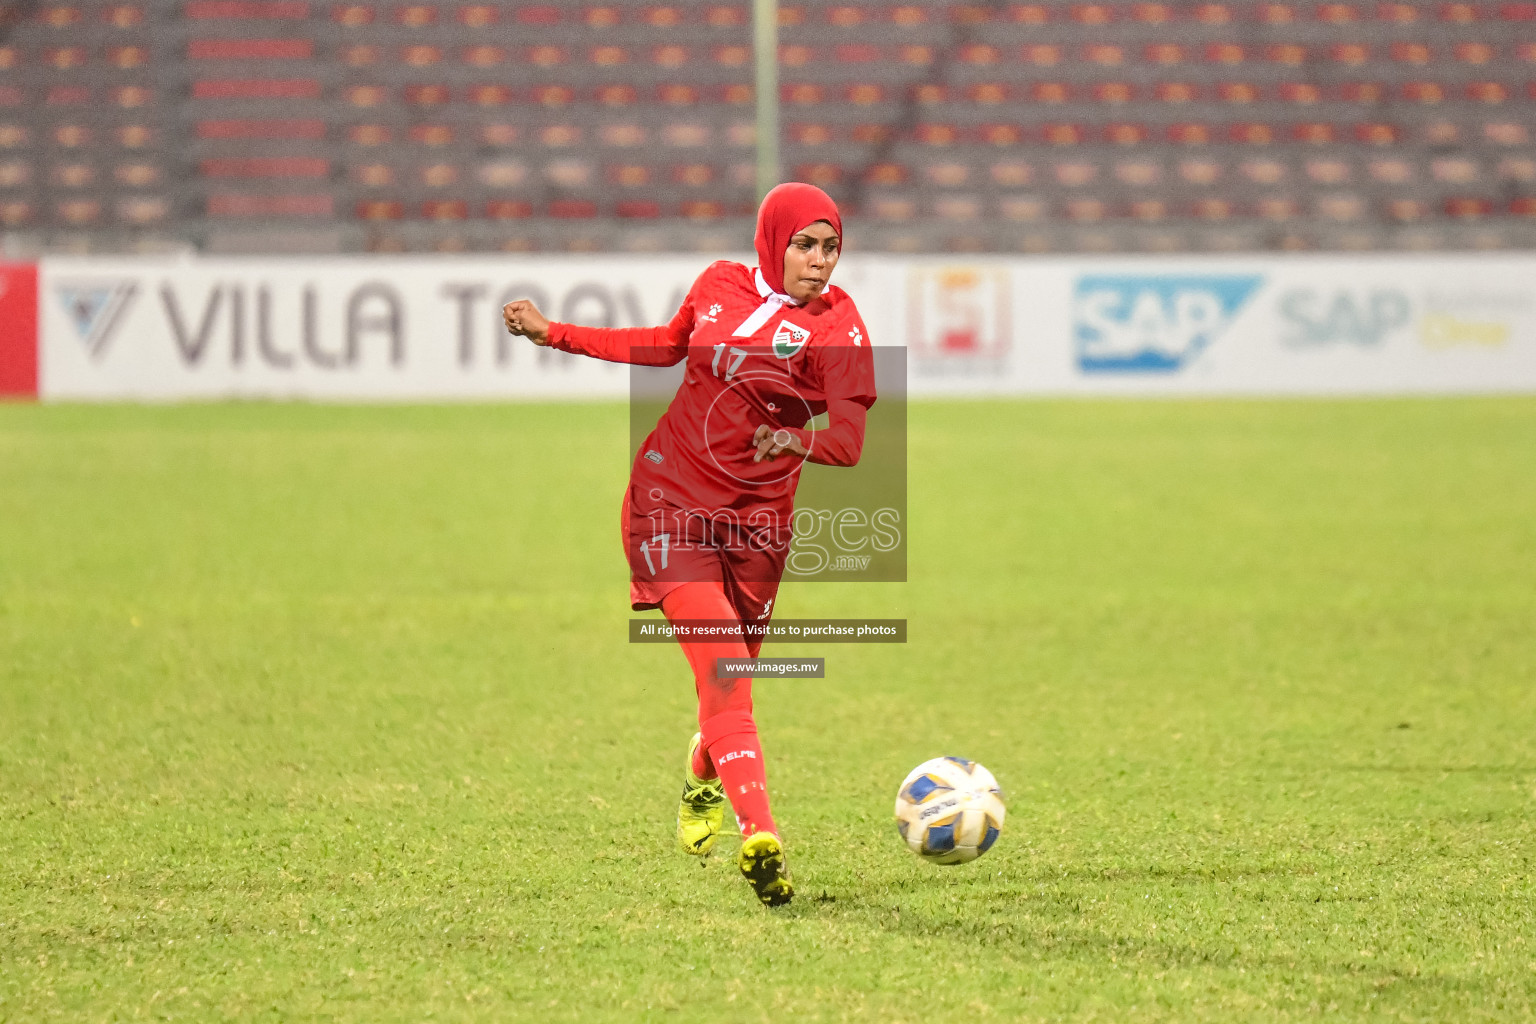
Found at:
(787, 209)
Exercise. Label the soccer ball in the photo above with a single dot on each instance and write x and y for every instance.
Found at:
(949, 810)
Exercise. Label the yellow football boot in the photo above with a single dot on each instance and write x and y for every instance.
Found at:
(762, 864)
(701, 813)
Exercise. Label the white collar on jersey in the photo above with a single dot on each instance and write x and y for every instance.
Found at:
(772, 300)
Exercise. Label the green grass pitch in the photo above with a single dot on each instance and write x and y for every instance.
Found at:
(328, 714)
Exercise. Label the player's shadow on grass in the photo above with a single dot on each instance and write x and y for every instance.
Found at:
(1063, 936)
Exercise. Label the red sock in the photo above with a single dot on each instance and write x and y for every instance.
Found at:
(738, 755)
(730, 745)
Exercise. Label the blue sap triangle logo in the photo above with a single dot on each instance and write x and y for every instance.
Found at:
(1153, 323)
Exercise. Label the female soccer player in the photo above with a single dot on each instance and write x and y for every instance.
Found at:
(706, 520)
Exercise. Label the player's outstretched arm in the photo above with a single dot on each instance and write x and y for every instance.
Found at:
(649, 346)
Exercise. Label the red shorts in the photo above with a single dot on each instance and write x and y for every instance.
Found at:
(666, 549)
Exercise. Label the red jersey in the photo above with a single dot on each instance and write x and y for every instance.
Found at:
(783, 374)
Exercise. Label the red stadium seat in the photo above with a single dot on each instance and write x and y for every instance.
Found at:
(670, 56)
(1114, 92)
(64, 58)
(1212, 14)
(1460, 14)
(573, 209)
(123, 15)
(1041, 55)
(865, 94)
(1176, 92)
(734, 56)
(1050, 92)
(1075, 175)
(14, 173)
(252, 10)
(1337, 14)
(1021, 208)
(434, 95)
(695, 175)
(488, 95)
(1300, 92)
(622, 134)
(415, 15)
(1200, 172)
(126, 58)
(916, 56)
(1149, 211)
(373, 175)
(1401, 14)
(948, 174)
(1474, 53)
(1328, 171)
(1225, 53)
(246, 128)
(553, 95)
(1000, 134)
(1506, 133)
(1011, 173)
(379, 209)
(1124, 133)
(547, 56)
(1139, 173)
(256, 89)
(1317, 133)
(135, 136)
(71, 136)
(1238, 92)
(1487, 92)
(632, 209)
(1086, 211)
(1468, 208)
(1289, 54)
(930, 94)
(57, 96)
(1189, 133)
(1523, 206)
(508, 209)
(1027, 14)
(228, 204)
(1276, 14)
(676, 94)
(608, 56)
(142, 211)
(1411, 53)
(1164, 53)
(354, 15)
(809, 134)
(370, 134)
(15, 213)
(1376, 134)
(250, 49)
(79, 212)
(1518, 12)
(445, 209)
(1276, 208)
(887, 173)
(1060, 134)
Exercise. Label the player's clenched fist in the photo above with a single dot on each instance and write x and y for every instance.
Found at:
(524, 320)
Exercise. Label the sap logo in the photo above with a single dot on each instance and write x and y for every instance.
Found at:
(1327, 318)
(1153, 324)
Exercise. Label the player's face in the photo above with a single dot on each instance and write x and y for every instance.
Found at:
(809, 260)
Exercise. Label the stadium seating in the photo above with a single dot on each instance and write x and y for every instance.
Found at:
(966, 126)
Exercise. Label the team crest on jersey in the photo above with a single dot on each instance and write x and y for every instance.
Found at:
(789, 339)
